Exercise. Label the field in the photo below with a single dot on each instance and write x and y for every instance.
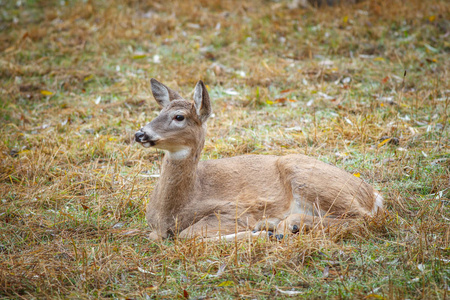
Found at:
(364, 87)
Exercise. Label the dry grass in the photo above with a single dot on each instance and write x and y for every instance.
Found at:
(329, 83)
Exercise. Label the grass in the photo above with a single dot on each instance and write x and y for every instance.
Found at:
(327, 82)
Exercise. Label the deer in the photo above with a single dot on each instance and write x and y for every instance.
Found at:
(241, 196)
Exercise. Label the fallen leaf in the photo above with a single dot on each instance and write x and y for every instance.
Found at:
(295, 128)
(145, 271)
(348, 121)
(139, 56)
(326, 272)
(118, 225)
(357, 174)
(9, 49)
(431, 48)
(231, 92)
(151, 288)
(266, 66)
(226, 283)
(67, 215)
(325, 96)
(388, 160)
(384, 142)
(46, 93)
(130, 232)
(221, 269)
(289, 293)
(421, 267)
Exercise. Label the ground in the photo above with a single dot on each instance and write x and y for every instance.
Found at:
(362, 86)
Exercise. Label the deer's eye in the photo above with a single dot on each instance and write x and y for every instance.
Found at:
(179, 118)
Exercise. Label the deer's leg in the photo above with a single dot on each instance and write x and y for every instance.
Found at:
(154, 236)
(213, 228)
(268, 224)
(210, 225)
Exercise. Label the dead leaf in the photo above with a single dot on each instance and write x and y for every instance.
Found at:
(388, 160)
(326, 272)
(145, 271)
(384, 142)
(67, 215)
(46, 93)
(139, 56)
(289, 293)
(226, 283)
(231, 92)
(266, 66)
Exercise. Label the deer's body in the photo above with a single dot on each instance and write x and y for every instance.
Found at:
(244, 193)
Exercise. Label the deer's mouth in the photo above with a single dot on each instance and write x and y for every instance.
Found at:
(148, 144)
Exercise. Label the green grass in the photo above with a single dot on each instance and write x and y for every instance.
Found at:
(328, 82)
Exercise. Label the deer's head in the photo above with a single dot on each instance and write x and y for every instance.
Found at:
(180, 126)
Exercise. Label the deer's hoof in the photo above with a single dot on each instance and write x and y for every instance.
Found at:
(279, 237)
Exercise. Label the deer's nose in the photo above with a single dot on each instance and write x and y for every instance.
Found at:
(139, 136)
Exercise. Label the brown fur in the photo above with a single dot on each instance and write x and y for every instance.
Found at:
(239, 194)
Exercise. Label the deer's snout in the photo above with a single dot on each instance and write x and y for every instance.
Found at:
(142, 138)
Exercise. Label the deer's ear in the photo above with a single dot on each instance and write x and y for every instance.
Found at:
(163, 95)
(160, 93)
(201, 101)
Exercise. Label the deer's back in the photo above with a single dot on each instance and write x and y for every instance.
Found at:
(274, 182)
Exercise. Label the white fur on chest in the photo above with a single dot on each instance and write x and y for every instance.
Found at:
(179, 154)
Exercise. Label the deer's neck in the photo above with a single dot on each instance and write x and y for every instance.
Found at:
(178, 181)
